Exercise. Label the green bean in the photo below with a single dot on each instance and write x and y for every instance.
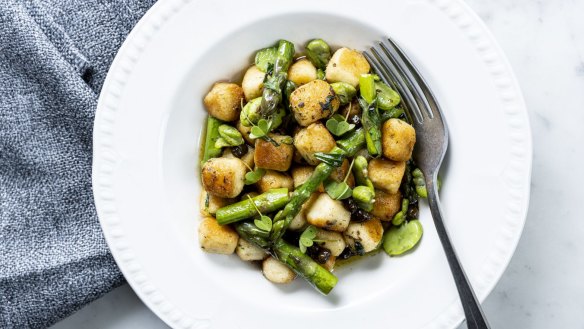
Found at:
(399, 239)
(318, 52)
(364, 197)
(265, 58)
(344, 91)
(400, 217)
(250, 114)
(387, 98)
(229, 137)
(395, 113)
(420, 183)
(360, 172)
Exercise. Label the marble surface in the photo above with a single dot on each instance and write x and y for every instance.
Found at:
(542, 287)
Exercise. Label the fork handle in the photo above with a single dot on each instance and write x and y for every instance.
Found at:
(475, 319)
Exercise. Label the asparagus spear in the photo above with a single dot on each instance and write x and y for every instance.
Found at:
(291, 256)
(305, 266)
(345, 148)
(370, 117)
(266, 202)
(272, 93)
(211, 136)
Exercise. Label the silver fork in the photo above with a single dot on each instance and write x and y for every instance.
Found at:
(393, 66)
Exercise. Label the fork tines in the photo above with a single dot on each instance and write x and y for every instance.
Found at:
(395, 69)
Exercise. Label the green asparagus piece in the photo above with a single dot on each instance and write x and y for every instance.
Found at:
(288, 89)
(346, 147)
(291, 256)
(370, 118)
(367, 87)
(211, 136)
(372, 124)
(318, 52)
(305, 266)
(272, 93)
(353, 142)
(253, 234)
(266, 202)
(284, 56)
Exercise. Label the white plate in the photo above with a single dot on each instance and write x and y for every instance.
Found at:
(147, 132)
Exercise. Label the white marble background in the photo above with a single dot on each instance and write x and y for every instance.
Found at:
(543, 286)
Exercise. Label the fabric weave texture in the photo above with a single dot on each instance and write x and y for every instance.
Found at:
(54, 56)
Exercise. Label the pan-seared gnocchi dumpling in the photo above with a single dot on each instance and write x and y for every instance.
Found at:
(386, 175)
(245, 131)
(299, 221)
(312, 139)
(253, 83)
(215, 238)
(302, 72)
(341, 172)
(269, 156)
(277, 272)
(386, 205)
(249, 252)
(347, 65)
(330, 263)
(328, 214)
(210, 204)
(274, 179)
(313, 101)
(368, 234)
(301, 174)
(224, 101)
(223, 177)
(332, 241)
(247, 158)
(398, 139)
(351, 109)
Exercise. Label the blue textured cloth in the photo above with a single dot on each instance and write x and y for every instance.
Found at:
(54, 56)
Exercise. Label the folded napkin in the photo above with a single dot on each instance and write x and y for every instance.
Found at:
(54, 56)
